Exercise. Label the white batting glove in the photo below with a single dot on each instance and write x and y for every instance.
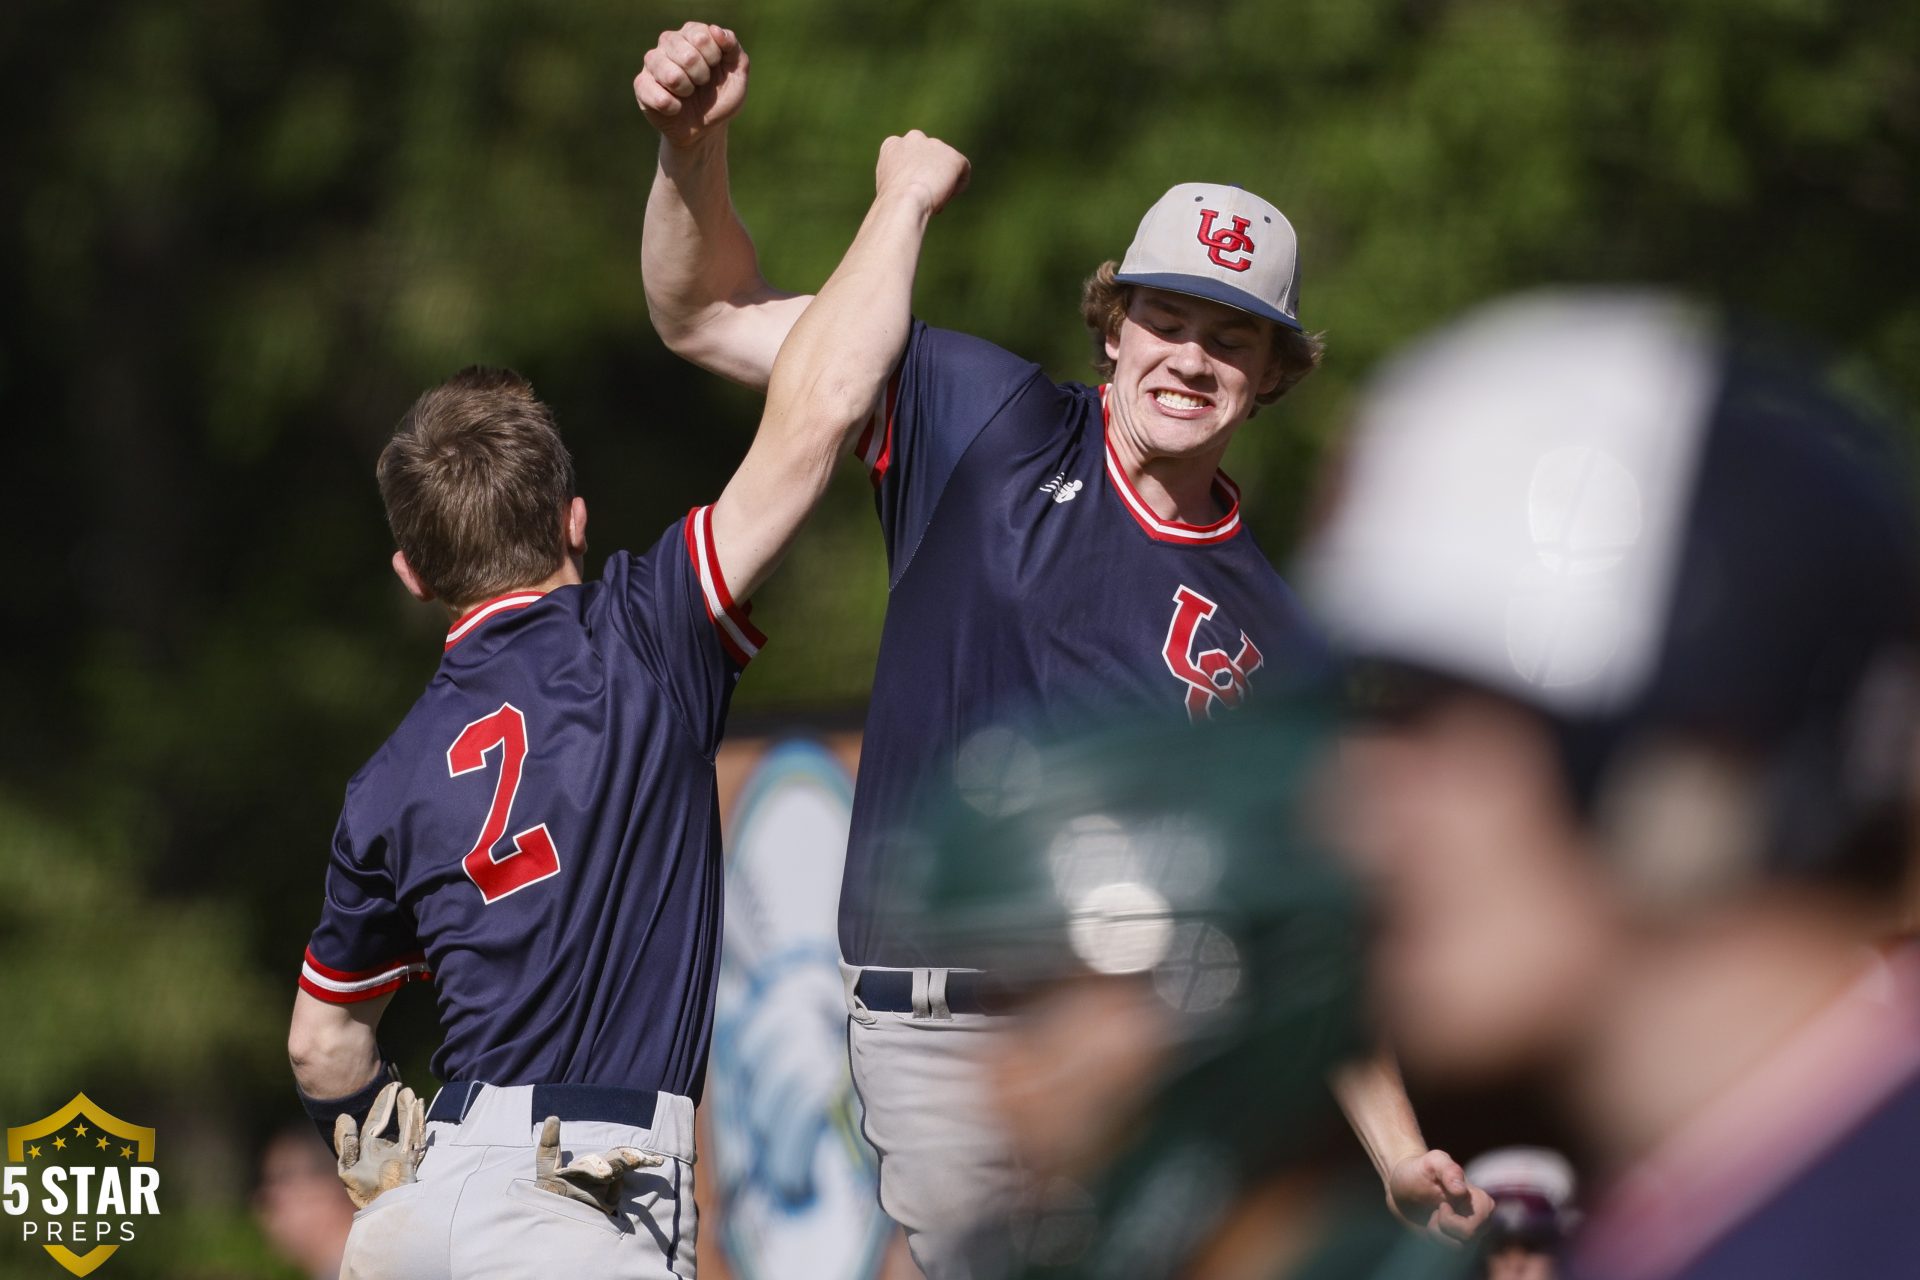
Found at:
(376, 1165)
(591, 1179)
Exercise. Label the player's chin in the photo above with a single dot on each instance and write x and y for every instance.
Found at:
(1188, 437)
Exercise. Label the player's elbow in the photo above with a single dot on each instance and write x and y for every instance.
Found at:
(679, 326)
(829, 386)
(844, 402)
(712, 330)
(827, 409)
(330, 1050)
(312, 1047)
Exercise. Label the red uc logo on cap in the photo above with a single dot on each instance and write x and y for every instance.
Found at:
(1226, 240)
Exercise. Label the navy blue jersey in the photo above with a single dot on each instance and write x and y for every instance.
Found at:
(1851, 1214)
(1032, 592)
(541, 834)
(1799, 1167)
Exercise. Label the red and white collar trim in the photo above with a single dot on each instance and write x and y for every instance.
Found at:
(487, 609)
(1162, 530)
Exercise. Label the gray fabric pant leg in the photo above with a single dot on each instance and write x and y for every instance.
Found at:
(943, 1164)
(475, 1211)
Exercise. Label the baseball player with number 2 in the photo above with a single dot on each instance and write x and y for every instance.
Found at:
(1057, 554)
(540, 835)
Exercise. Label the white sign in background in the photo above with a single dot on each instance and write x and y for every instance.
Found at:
(796, 1180)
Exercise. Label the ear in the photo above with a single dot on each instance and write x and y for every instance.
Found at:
(409, 579)
(1270, 380)
(1113, 340)
(1276, 370)
(577, 527)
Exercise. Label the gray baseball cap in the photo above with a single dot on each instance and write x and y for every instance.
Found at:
(1221, 243)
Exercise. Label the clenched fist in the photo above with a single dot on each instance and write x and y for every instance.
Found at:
(692, 81)
(1431, 1191)
(925, 168)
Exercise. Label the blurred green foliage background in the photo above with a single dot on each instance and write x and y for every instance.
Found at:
(236, 239)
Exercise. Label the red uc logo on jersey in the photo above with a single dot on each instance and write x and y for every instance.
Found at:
(1226, 240)
(1213, 679)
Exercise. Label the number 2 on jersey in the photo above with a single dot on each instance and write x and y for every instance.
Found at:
(533, 857)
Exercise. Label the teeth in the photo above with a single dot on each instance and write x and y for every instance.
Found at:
(1174, 400)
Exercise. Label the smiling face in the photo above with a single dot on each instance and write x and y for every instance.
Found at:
(1187, 372)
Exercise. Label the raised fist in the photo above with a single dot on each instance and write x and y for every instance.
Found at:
(926, 167)
(692, 81)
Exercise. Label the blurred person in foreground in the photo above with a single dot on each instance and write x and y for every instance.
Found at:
(1532, 1190)
(1633, 601)
(299, 1204)
(1177, 967)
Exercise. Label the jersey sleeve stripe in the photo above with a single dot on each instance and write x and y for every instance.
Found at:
(342, 986)
(875, 446)
(737, 633)
(865, 446)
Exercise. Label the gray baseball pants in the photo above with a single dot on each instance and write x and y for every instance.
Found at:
(943, 1164)
(475, 1210)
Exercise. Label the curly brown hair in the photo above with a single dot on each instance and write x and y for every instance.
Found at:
(1103, 305)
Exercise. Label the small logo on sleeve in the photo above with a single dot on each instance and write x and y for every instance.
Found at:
(78, 1182)
(1213, 678)
(1226, 240)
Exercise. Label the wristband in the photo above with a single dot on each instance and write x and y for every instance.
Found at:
(326, 1110)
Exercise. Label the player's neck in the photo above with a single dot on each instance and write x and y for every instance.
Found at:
(567, 575)
(1686, 1021)
(1176, 488)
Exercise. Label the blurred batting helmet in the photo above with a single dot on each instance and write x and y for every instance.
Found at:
(1186, 859)
(1608, 507)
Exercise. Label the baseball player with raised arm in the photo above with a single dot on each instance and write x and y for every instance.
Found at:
(541, 834)
(1057, 554)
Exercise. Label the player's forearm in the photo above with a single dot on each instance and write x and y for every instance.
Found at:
(826, 383)
(837, 359)
(835, 362)
(705, 294)
(1374, 1099)
(333, 1049)
(694, 252)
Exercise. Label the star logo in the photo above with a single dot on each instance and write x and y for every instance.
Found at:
(116, 1193)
